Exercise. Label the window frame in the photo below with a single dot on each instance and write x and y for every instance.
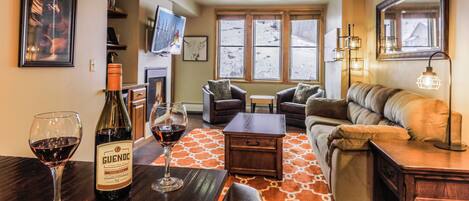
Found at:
(219, 46)
(317, 47)
(285, 48)
(254, 46)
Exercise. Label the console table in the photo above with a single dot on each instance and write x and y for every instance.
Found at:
(410, 170)
(28, 179)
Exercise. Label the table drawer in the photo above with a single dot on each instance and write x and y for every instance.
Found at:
(253, 142)
(138, 94)
(389, 173)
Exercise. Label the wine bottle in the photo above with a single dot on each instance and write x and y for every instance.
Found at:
(113, 143)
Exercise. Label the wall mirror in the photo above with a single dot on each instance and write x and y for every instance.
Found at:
(411, 29)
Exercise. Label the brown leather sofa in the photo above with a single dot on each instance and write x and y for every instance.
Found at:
(222, 111)
(294, 112)
(339, 132)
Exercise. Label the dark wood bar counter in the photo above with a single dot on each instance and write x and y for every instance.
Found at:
(28, 179)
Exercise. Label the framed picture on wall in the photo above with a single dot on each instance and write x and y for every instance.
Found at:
(47, 33)
(195, 48)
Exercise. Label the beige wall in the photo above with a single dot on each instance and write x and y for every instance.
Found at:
(191, 76)
(27, 91)
(403, 74)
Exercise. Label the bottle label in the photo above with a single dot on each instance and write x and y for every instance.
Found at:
(114, 165)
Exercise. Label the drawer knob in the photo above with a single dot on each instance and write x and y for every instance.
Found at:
(251, 143)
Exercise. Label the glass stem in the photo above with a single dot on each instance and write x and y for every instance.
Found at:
(167, 162)
(57, 178)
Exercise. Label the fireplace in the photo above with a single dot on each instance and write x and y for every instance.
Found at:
(156, 80)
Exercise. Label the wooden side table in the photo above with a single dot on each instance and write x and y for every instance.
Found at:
(262, 99)
(410, 170)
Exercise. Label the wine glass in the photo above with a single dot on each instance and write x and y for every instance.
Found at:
(54, 137)
(168, 123)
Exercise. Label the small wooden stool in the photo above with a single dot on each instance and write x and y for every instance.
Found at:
(261, 99)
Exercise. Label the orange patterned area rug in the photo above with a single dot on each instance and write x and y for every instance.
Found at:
(303, 180)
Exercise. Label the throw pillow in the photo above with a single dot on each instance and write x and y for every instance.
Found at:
(303, 92)
(220, 88)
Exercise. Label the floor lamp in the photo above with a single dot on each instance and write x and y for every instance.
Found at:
(352, 44)
(429, 80)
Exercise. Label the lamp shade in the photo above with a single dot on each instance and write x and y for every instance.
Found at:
(337, 54)
(429, 80)
(357, 64)
(353, 42)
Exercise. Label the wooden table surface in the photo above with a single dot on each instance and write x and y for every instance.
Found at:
(256, 123)
(28, 179)
(423, 156)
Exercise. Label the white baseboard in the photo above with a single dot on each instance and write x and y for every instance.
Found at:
(193, 107)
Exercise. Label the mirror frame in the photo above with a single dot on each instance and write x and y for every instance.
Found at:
(417, 55)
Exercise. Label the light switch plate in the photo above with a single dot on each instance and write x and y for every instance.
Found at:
(92, 65)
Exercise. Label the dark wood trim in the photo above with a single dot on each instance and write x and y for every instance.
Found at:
(116, 47)
(115, 14)
(25, 5)
(421, 55)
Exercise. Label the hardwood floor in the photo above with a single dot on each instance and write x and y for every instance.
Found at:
(148, 152)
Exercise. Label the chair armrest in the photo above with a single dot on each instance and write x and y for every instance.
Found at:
(357, 137)
(330, 108)
(285, 95)
(238, 93)
(208, 96)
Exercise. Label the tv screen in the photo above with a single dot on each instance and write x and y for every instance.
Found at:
(168, 32)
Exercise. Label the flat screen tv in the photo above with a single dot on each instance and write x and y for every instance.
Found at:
(168, 32)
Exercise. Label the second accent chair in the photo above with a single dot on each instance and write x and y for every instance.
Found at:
(292, 102)
(222, 110)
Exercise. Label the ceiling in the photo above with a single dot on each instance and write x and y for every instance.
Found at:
(259, 2)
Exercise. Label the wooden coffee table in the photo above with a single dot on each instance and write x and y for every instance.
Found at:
(254, 144)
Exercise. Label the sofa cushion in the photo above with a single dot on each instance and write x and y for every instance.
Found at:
(377, 97)
(228, 104)
(360, 115)
(295, 116)
(357, 93)
(332, 108)
(291, 107)
(318, 137)
(220, 88)
(304, 91)
(425, 118)
(315, 120)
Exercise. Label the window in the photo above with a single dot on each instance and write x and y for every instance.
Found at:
(304, 48)
(231, 47)
(418, 31)
(267, 41)
(277, 46)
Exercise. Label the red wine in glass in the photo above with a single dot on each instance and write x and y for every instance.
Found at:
(54, 137)
(168, 135)
(55, 151)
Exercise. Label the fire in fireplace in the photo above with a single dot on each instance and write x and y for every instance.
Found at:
(156, 80)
